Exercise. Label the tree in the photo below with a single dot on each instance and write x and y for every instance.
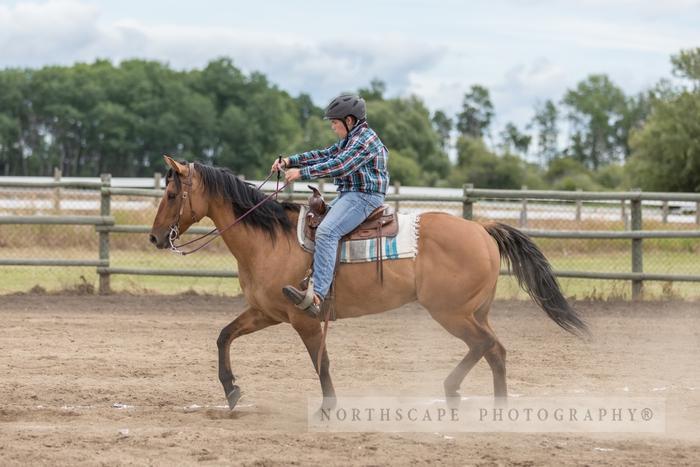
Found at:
(221, 80)
(568, 173)
(306, 108)
(477, 112)
(15, 121)
(686, 64)
(635, 112)
(513, 140)
(404, 170)
(9, 135)
(477, 165)
(375, 92)
(443, 126)
(96, 117)
(666, 151)
(545, 124)
(405, 126)
(596, 109)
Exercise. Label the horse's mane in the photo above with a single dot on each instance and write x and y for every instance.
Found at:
(269, 216)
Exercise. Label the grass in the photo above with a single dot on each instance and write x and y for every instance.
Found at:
(23, 278)
(678, 256)
(52, 279)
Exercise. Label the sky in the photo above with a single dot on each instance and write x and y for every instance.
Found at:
(523, 51)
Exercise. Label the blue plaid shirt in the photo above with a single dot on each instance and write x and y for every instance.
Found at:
(357, 163)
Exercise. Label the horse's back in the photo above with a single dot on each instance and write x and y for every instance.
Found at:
(457, 259)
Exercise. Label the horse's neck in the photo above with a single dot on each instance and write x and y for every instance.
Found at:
(248, 245)
(237, 238)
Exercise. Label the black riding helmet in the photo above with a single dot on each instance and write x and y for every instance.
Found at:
(346, 105)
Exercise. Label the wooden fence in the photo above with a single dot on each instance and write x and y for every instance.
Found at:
(105, 224)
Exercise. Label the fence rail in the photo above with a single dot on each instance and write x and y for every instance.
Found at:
(105, 224)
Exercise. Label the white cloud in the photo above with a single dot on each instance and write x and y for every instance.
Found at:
(522, 51)
(663, 7)
(609, 35)
(32, 34)
(656, 6)
(65, 31)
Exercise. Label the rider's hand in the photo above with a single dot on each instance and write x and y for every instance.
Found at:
(292, 174)
(276, 166)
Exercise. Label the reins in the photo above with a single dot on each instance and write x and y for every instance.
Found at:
(174, 230)
(174, 234)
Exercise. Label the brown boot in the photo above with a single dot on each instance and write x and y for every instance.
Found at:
(309, 304)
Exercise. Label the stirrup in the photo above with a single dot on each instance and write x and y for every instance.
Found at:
(304, 299)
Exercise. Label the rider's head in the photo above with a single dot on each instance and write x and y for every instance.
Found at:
(344, 112)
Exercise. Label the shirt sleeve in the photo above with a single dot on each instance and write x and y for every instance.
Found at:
(354, 156)
(313, 157)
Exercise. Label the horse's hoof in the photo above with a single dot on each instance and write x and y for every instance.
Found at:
(329, 403)
(500, 402)
(453, 399)
(233, 397)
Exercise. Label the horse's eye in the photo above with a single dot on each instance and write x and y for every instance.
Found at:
(172, 195)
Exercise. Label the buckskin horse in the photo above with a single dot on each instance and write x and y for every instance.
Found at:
(453, 275)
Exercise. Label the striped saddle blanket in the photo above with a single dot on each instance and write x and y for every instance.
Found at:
(403, 245)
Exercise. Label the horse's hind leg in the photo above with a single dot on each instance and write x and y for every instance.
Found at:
(478, 338)
(249, 321)
(310, 332)
(496, 358)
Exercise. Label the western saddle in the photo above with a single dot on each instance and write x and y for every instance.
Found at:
(382, 222)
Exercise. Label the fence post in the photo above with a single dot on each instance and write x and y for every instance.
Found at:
(289, 191)
(157, 177)
(623, 215)
(523, 211)
(579, 205)
(397, 189)
(697, 212)
(637, 250)
(664, 212)
(467, 202)
(105, 210)
(57, 190)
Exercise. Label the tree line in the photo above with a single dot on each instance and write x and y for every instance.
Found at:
(88, 119)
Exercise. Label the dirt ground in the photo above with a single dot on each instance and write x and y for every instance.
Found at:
(133, 380)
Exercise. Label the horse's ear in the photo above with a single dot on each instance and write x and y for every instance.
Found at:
(175, 165)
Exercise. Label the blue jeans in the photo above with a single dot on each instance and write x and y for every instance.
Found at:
(347, 211)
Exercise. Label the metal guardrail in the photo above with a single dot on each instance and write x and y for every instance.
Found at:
(105, 224)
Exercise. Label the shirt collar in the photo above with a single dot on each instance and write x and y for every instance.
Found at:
(357, 128)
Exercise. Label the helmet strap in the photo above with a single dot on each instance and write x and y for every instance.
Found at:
(347, 130)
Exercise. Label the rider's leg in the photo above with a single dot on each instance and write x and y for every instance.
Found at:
(347, 212)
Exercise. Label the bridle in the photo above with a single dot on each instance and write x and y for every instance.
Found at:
(174, 232)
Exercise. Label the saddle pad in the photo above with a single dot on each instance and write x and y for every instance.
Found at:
(403, 245)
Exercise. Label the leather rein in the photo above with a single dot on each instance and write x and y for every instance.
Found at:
(186, 187)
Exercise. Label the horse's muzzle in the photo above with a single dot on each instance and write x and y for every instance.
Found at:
(159, 243)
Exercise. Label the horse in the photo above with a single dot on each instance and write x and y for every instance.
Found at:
(453, 276)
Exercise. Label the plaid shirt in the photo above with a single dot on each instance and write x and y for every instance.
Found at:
(358, 163)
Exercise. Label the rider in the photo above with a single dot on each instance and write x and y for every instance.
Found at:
(358, 165)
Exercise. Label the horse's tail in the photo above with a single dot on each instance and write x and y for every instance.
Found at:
(535, 275)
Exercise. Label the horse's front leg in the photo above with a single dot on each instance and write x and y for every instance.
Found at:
(250, 320)
(309, 330)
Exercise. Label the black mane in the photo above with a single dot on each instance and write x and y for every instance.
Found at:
(269, 216)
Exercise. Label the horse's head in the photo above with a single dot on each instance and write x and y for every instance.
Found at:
(182, 205)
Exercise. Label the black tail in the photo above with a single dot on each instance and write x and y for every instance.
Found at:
(535, 276)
